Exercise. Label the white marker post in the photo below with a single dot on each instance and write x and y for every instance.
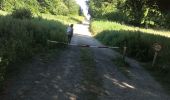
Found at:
(157, 47)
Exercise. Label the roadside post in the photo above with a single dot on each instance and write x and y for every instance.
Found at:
(157, 47)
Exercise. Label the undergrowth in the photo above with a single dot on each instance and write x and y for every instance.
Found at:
(20, 39)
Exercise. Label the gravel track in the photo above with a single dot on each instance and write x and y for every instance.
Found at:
(61, 78)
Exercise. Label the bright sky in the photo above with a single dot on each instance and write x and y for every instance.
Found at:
(83, 5)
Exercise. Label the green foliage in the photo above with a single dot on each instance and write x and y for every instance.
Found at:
(72, 6)
(55, 7)
(22, 39)
(22, 14)
(167, 20)
(101, 8)
(10, 5)
(139, 44)
(117, 16)
(107, 9)
(61, 9)
(145, 13)
(139, 41)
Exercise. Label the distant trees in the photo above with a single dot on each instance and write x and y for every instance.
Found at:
(55, 7)
(100, 8)
(152, 13)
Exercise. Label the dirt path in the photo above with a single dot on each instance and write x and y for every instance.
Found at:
(61, 77)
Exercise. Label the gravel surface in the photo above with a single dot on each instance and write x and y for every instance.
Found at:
(61, 77)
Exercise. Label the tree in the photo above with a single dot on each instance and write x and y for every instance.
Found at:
(55, 7)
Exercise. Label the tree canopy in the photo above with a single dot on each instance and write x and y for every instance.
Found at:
(153, 13)
(55, 7)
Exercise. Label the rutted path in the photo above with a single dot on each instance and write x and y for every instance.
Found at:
(61, 78)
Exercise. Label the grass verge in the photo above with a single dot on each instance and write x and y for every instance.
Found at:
(22, 39)
(139, 44)
(92, 81)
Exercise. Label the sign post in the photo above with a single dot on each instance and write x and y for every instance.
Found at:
(157, 47)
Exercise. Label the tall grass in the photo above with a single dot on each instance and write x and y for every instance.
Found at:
(22, 35)
(98, 26)
(22, 38)
(139, 42)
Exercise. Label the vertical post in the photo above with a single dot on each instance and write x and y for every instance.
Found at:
(154, 59)
(157, 48)
(124, 52)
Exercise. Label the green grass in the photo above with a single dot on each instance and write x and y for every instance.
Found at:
(97, 26)
(92, 81)
(21, 39)
(139, 44)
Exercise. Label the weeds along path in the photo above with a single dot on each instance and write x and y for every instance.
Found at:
(82, 74)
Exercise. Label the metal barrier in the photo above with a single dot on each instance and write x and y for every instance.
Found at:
(91, 46)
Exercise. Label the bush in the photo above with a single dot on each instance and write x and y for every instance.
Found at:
(56, 7)
(22, 13)
(24, 39)
(139, 41)
(117, 16)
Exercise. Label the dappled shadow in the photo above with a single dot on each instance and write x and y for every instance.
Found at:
(139, 85)
(60, 78)
(122, 85)
(140, 46)
(137, 89)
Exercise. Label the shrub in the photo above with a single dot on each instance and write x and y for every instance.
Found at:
(22, 13)
(24, 39)
(117, 16)
(139, 41)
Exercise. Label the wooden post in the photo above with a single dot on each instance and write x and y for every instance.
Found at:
(157, 48)
(154, 59)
